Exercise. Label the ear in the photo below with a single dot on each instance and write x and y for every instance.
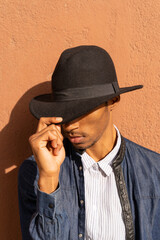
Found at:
(113, 103)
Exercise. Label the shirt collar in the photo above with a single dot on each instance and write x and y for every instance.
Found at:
(105, 163)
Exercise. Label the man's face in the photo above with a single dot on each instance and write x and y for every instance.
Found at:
(86, 131)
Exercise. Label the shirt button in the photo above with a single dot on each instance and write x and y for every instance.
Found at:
(50, 205)
(80, 235)
(81, 201)
(80, 168)
(95, 167)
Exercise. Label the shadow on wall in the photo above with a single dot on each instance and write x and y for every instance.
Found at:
(14, 149)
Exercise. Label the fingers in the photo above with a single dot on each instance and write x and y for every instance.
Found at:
(51, 127)
(59, 132)
(46, 121)
(49, 137)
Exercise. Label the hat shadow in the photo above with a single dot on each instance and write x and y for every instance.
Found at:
(14, 150)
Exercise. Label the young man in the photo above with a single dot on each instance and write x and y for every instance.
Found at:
(84, 180)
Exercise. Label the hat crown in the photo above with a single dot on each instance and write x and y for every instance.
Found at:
(83, 79)
(83, 66)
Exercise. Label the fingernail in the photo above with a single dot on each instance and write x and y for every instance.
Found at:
(59, 119)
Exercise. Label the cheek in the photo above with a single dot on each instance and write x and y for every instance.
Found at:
(96, 126)
(101, 123)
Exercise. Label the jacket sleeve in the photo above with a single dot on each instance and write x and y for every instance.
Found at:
(42, 215)
(156, 220)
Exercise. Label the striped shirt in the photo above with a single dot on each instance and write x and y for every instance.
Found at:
(102, 204)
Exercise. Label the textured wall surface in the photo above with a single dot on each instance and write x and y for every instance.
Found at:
(33, 34)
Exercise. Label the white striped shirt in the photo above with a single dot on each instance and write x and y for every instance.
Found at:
(102, 204)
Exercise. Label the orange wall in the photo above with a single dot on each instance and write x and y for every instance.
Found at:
(33, 34)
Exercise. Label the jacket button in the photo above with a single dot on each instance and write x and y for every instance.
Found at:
(80, 235)
(81, 201)
(50, 205)
(80, 168)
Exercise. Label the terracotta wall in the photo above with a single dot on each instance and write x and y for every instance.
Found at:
(33, 34)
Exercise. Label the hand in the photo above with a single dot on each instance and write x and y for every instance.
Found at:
(49, 152)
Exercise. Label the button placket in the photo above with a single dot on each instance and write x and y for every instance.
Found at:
(81, 215)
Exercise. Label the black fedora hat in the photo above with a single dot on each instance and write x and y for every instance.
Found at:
(83, 79)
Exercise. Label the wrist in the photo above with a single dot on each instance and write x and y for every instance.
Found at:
(48, 184)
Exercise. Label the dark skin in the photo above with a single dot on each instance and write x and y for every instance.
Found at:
(93, 132)
(92, 136)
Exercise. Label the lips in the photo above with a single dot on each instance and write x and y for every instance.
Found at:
(76, 139)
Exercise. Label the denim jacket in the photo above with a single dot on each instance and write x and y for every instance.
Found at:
(61, 215)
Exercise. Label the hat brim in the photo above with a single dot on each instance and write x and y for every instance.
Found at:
(44, 106)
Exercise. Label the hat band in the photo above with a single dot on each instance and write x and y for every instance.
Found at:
(86, 92)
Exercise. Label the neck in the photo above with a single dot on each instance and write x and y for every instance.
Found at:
(104, 145)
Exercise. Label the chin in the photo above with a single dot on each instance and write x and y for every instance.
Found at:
(79, 146)
(82, 146)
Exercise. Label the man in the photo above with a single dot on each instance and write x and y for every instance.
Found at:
(84, 180)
